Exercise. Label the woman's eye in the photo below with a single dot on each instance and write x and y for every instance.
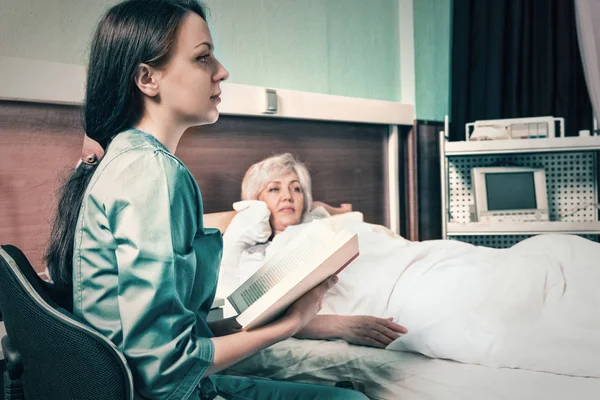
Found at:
(297, 189)
(274, 189)
(203, 59)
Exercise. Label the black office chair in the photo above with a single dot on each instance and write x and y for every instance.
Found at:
(49, 353)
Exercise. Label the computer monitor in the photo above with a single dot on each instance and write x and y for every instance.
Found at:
(504, 194)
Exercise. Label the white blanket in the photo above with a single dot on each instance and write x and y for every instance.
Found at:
(534, 306)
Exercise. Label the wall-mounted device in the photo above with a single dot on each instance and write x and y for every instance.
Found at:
(515, 128)
(509, 194)
(270, 102)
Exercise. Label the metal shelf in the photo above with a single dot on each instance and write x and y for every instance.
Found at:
(546, 152)
(522, 228)
(574, 143)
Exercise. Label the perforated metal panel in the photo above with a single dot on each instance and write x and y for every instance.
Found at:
(570, 181)
(497, 241)
(503, 241)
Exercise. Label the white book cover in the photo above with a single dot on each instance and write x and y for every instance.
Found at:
(315, 254)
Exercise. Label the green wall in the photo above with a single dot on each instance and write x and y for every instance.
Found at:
(340, 47)
(49, 30)
(433, 50)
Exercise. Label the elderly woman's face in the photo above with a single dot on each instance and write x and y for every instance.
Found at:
(285, 200)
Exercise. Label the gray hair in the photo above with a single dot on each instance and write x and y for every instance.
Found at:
(260, 174)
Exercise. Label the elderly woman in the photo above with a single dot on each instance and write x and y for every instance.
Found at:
(520, 307)
(282, 186)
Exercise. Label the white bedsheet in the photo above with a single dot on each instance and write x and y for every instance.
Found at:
(384, 374)
(534, 306)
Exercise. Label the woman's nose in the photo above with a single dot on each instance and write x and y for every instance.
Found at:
(286, 195)
(221, 74)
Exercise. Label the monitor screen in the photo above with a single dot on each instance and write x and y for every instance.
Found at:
(510, 191)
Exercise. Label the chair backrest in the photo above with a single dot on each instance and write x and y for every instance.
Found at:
(62, 357)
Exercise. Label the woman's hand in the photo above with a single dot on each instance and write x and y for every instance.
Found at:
(369, 331)
(362, 329)
(250, 225)
(303, 310)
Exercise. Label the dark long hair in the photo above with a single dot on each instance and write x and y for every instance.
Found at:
(130, 33)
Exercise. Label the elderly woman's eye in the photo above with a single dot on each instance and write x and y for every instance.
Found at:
(297, 189)
(273, 189)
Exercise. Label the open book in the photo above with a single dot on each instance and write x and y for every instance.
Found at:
(315, 254)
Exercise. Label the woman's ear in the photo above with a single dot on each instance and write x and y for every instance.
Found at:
(146, 79)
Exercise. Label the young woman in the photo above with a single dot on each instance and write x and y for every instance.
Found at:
(128, 237)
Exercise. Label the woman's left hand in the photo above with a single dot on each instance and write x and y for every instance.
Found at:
(369, 331)
(224, 327)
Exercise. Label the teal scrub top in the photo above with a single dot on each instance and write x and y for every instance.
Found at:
(144, 267)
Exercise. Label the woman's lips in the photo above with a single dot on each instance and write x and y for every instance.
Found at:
(287, 210)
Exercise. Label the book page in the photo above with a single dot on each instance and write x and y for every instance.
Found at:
(313, 240)
(280, 270)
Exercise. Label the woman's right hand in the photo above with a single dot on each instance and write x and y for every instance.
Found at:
(230, 349)
(303, 310)
(250, 225)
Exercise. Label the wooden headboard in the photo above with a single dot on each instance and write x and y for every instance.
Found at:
(346, 161)
(38, 142)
